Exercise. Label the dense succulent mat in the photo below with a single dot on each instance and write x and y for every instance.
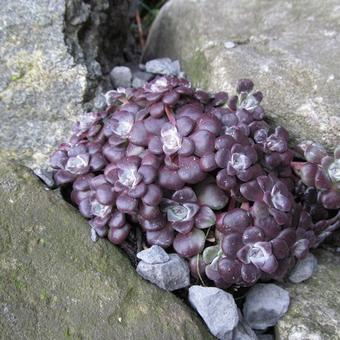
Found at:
(202, 174)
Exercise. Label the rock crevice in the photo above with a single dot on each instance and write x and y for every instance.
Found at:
(95, 33)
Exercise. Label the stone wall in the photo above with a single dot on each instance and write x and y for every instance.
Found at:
(289, 48)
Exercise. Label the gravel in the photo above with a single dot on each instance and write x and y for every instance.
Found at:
(217, 308)
(171, 275)
(163, 66)
(153, 255)
(265, 304)
(304, 269)
(229, 44)
(243, 332)
(140, 78)
(45, 175)
(121, 76)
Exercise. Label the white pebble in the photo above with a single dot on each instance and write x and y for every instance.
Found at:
(229, 44)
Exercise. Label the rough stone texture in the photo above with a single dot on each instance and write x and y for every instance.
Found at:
(153, 255)
(304, 269)
(243, 332)
(121, 76)
(217, 308)
(140, 78)
(163, 66)
(266, 337)
(265, 304)
(138, 82)
(289, 48)
(55, 283)
(314, 312)
(45, 176)
(171, 275)
(52, 56)
(96, 32)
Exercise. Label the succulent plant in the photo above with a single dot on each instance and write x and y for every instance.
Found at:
(202, 175)
(254, 246)
(274, 193)
(321, 172)
(73, 160)
(184, 212)
(308, 196)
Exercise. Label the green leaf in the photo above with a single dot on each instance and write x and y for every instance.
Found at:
(210, 253)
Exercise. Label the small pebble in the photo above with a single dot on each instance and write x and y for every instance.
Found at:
(99, 102)
(137, 83)
(95, 68)
(121, 76)
(153, 255)
(229, 44)
(143, 75)
(243, 332)
(141, 78)
(163, 66)
(94, 236)
(304, 269)
(265, 304)
(171, 275)
(217, 308)
(142, 67)
(45, 175)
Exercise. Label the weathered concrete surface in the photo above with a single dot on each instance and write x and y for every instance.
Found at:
(52, 57)
(289, 48)
(314, 312)
(55, 283)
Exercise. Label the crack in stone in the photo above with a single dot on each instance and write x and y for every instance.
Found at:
(95, 32)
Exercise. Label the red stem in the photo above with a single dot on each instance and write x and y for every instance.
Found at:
(170, 115)
(245, 206)
(140, 29)
(111, 109)
(232, 204)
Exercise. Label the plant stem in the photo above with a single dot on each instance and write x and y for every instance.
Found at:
(140, 29)
(170, 115)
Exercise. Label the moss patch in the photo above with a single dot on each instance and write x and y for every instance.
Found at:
(197, 69)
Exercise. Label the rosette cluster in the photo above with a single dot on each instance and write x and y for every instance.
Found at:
(254, 246)
(322, 172)
(202, 175)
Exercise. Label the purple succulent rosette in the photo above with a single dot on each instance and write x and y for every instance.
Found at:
(322, 172)
(187, 143)
(241, 111)
(133, 182)
(184, 212)
(187, 217)
(274, 148)
(70, 161)
(238, 161)
(95, 199)
(309, 199)
(274, 193)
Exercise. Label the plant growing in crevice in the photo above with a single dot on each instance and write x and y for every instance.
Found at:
(203, 175)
